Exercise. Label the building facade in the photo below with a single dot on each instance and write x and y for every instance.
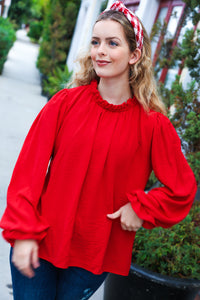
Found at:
(2, 2)
(4, 6)
(170, 12)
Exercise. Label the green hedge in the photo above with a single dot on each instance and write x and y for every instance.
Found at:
(57, 81)
(35, 31)
(7, 38)
(59, 23)
(173, 251)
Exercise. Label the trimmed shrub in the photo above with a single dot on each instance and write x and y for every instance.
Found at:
(59, 23)
(7, 38)
(57, 81)
(174, 251)
(35, 30)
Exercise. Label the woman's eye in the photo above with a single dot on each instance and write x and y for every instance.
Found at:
(112, 43)
(94, 42)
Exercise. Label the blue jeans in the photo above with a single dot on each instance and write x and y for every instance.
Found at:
(52, 283)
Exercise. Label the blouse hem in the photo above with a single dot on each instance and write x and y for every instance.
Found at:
(82, 265)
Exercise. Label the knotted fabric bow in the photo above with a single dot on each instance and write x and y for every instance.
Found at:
(119, 6)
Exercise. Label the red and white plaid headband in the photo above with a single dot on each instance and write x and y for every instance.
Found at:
(119, 6)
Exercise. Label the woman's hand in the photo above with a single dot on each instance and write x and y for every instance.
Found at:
(25, 256)
(128, 218)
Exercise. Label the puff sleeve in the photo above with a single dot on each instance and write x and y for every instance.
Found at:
(169, 204)
(21, 219)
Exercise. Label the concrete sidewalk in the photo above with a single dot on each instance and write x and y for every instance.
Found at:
(20, 102)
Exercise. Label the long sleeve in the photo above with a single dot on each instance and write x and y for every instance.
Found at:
(169, 204)
(21, 219)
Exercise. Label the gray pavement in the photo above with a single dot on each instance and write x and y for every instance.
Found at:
(20, 102)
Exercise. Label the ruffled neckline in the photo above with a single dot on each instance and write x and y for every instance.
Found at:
(109, 106)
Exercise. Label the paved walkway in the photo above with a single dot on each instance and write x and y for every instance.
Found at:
(20, 102)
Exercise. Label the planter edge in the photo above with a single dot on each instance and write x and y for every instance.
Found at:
(164, 279)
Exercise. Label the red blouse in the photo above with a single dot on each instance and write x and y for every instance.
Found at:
(84, 158)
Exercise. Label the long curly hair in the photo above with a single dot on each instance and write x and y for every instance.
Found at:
(141, 78)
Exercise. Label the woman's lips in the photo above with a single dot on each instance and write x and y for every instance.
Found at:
(102, 62)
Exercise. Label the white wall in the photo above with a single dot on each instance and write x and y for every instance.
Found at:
(88, 13)
(6, 8)
(110, 2)
(147, 12)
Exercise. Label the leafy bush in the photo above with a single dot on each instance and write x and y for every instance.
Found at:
(186, 118)
(59, 23)
(35, 30)
(7, 38)
(20, 11)
(185, 98)
(57, 81)
(175, 251)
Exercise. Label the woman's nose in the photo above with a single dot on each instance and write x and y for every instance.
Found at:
(102, 49)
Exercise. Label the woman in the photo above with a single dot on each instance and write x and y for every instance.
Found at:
(76, 197)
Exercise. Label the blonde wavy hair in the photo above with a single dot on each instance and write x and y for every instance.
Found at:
(141, 77)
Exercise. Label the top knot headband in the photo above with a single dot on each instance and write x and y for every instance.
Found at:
(119, 6)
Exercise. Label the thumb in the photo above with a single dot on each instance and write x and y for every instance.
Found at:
(115, 215)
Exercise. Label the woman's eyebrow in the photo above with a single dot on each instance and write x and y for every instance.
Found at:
(113, 37)
(108, 38)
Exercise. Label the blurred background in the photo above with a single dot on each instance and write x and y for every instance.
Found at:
(39, 43)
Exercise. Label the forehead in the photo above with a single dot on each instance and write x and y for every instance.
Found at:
(108, 28)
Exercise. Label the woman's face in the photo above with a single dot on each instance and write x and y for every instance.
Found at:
(110, 53)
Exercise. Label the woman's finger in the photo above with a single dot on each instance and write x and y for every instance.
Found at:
(115, 215)
(34, 258)
(28, 272)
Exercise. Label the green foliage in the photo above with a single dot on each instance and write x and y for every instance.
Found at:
(186, 120)
(192, 131)
(156, 31)
(35, 30)
(175, 251)
(188, 53)
(57, 81)
(166, 96)
(165, 57)
(186, 116)
(194, 161)
(59, 24)
(187, 106)
(152, 181)
(28, 12)
(38, 8)
(20, 11)
(7, 38)
(193, 8)
(104, 5)
(52, 51)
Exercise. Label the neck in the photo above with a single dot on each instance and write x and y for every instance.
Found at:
(113, 91)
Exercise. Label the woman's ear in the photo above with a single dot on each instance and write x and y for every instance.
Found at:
(135, 56)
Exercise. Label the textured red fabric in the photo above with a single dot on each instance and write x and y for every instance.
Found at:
(119, 6)
(84, 158)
